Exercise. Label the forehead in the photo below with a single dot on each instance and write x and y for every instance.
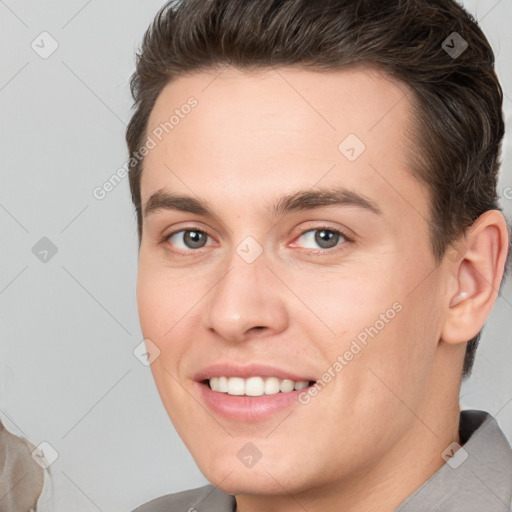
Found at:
(252, 133)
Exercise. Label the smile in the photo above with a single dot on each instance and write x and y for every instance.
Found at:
(250, 392)
(255, 386)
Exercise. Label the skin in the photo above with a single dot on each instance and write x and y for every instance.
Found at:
(380, 424)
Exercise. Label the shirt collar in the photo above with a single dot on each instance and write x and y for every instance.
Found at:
(478, 476)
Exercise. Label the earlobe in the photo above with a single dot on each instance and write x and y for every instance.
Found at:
(477, 274)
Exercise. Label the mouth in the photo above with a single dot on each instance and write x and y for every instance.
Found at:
(250, 393)
(255, 386)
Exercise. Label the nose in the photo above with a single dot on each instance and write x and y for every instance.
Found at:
(247, 300)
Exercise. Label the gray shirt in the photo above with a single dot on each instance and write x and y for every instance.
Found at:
(476, 478)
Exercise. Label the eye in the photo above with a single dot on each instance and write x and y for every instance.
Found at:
(186, 239)
(325, 238)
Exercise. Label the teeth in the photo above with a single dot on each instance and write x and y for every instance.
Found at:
(286, 385)
(236, 386)
(271, 386)
(223, 384)
(255, 386)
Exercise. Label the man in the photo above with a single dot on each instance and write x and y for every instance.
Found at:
(320, 246)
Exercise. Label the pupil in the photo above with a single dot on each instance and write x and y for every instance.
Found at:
(326, 239)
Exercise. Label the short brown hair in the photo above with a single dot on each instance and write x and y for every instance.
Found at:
(457, 95)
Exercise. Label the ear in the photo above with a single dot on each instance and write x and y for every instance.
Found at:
(476, 272)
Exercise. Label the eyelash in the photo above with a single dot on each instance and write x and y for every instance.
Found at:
(334, 249)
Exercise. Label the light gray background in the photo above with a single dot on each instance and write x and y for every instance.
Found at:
(67, 372)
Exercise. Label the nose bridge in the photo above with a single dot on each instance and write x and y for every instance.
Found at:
(246, 296)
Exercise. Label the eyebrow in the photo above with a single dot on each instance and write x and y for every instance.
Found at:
(296, 201)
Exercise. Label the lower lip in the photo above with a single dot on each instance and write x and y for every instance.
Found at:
(247, 408)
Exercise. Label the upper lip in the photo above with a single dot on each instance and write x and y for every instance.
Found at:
(249, 370)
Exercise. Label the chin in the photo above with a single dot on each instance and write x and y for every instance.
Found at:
(270, 476)
(251, 482)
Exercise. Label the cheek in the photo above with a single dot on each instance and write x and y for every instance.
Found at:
(168, 304)
(163, 298)
(152, 302)
(399, 358)
(383, 324)
(358, 306)
(161, 304)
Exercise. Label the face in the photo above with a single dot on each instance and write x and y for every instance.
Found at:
(286, 275)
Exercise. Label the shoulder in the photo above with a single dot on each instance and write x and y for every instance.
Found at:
(206, 498)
